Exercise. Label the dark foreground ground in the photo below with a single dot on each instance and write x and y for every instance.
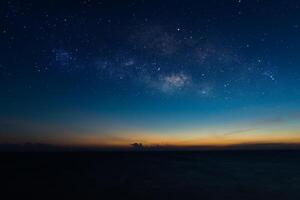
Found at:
(152, 175)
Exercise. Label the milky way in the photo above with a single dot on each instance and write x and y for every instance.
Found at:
(143, 69)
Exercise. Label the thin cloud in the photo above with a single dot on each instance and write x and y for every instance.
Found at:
(240, 131)
(279, 119)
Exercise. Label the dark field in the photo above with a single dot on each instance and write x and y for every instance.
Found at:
(152, 175)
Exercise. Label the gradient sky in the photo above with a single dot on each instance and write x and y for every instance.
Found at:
(109, 73)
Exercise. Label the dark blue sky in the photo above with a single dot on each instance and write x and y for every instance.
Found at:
(160, 72)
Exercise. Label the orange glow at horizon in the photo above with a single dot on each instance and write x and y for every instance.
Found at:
(217, 135)
(179, 140)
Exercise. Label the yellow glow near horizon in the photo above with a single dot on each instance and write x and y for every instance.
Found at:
(183, 139)
(217, 135)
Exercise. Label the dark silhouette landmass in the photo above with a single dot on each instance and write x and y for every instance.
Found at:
(29, 147)
(137, 146)
(41, 147)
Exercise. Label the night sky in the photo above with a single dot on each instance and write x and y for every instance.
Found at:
(182, 73)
